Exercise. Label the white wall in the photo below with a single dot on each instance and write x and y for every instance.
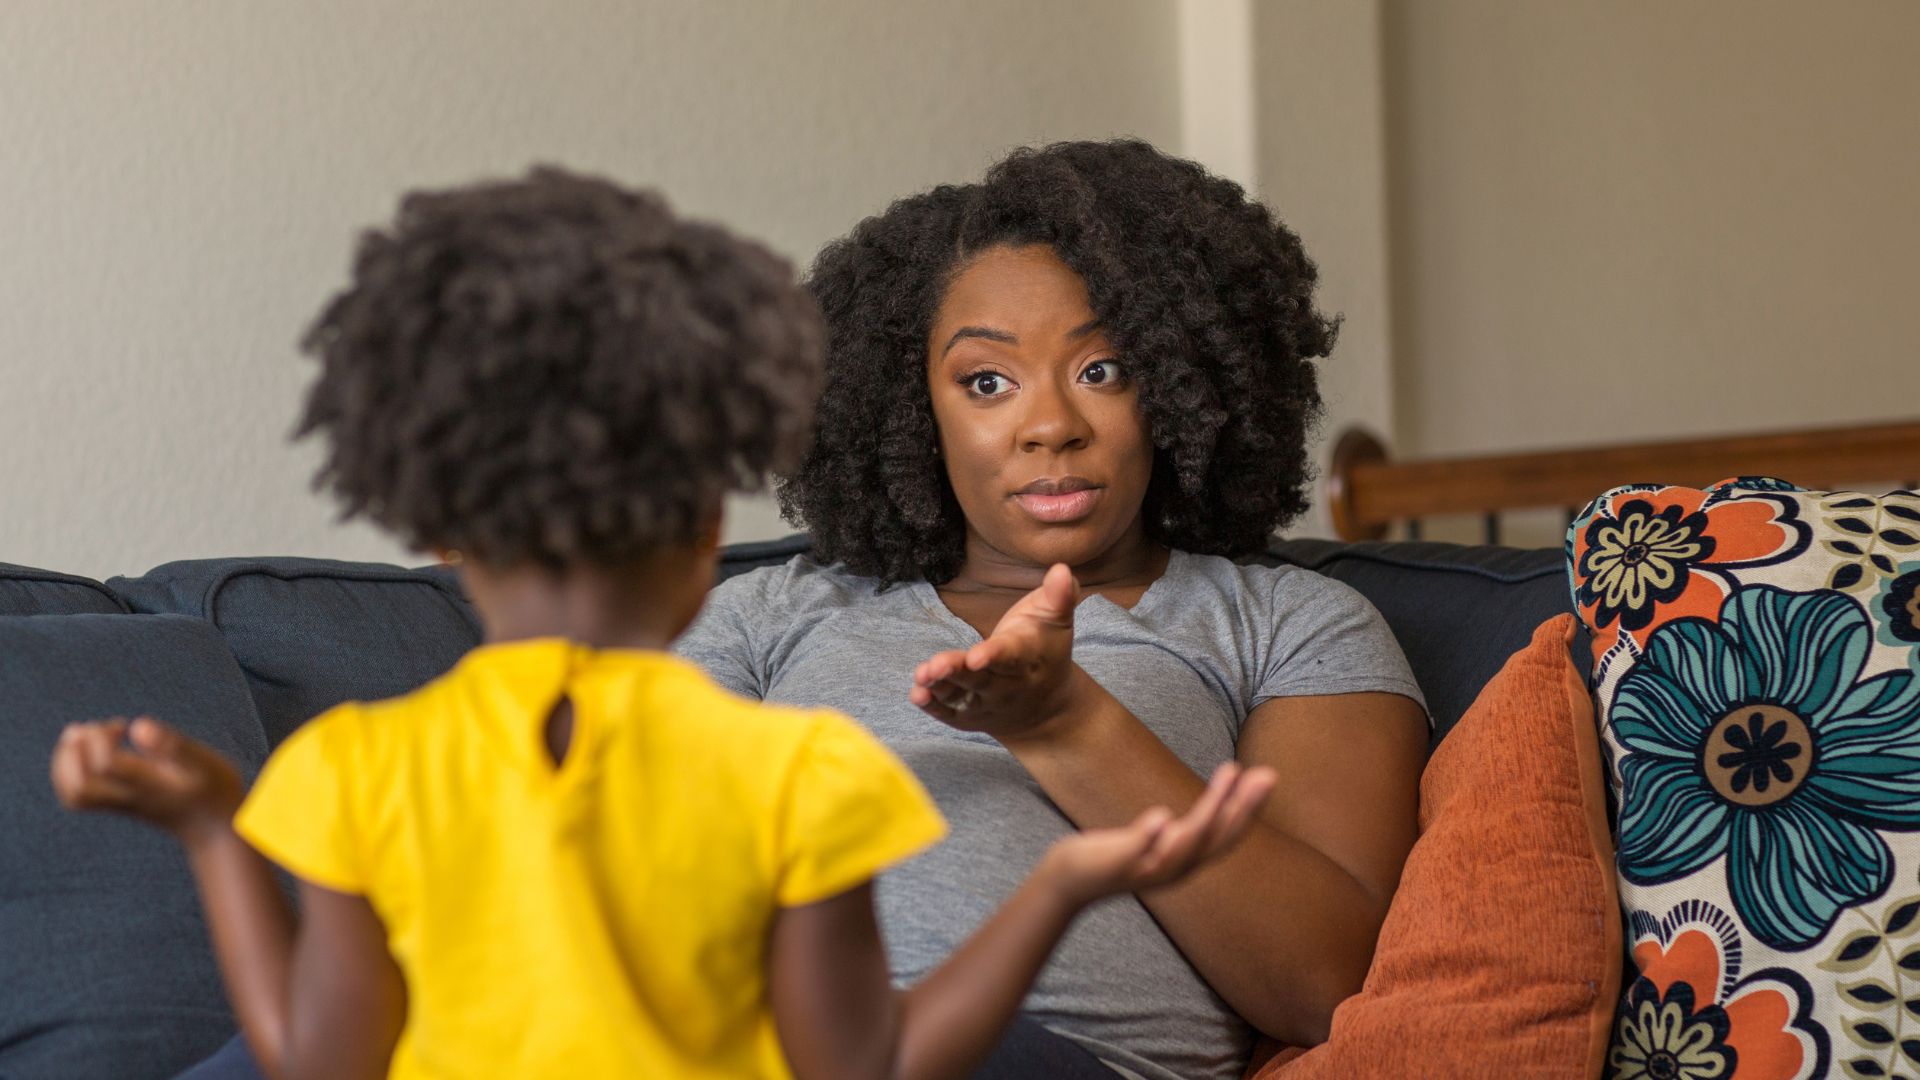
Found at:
(1619, 221)
(182, 183)
(1633, 220)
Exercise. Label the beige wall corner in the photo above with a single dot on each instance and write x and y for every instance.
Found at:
(1217, 121)
(1322, 166)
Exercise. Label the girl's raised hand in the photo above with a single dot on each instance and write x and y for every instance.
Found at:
(1158, 848)
(147, 770)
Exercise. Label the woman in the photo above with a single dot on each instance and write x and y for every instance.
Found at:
(1098, 357)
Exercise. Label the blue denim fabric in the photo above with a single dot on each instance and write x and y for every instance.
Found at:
(1032, 1052)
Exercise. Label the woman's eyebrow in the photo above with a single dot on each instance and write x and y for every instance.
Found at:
(987, 332)
(1003, 337)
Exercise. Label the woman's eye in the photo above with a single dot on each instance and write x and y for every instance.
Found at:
(987, 384)
(1103, 373)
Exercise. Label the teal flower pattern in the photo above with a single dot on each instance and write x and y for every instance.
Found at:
(1758, 738)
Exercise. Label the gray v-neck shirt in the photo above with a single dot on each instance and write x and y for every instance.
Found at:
(1208, 642)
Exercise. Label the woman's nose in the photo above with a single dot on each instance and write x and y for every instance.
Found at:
(1053, 423)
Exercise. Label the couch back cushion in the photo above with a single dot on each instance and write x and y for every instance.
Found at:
(1459, 612)
(311, 633)
(106, 960)
(26, 591)
(740, 558)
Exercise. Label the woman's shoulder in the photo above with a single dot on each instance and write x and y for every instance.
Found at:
(1274, 587)
(800, 584)
(1302, 633)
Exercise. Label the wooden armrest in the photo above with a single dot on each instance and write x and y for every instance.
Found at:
(1367, 491)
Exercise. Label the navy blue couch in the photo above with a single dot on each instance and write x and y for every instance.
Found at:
(105, 969)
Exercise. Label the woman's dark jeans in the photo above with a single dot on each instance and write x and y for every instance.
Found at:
(1029, 1052)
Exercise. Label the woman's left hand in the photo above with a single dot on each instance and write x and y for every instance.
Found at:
(1017, 680)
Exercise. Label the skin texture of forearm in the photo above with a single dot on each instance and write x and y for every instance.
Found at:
(253, 933)
(840, 1019)
(1280, 931)
(319, 999)
(951, 1020)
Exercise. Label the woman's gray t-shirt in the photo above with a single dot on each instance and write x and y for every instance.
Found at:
(1207, 643)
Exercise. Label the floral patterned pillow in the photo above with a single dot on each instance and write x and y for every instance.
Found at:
(1757, 672)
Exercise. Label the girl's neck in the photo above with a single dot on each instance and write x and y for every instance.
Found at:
(600, 629)
(641, 605)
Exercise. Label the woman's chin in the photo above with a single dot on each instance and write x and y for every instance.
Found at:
(1075, 544)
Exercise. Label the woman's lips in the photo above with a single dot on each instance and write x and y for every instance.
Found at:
(1060, 509)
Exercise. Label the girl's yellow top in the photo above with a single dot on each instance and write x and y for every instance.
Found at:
(607, 917)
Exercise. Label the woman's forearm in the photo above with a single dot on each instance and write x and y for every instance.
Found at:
(1279, 930)
(253, 933)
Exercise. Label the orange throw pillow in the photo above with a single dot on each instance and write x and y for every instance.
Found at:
(1501, 954)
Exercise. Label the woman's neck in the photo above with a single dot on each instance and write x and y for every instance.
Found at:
(1133, 561)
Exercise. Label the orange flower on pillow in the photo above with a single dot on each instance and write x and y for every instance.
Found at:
(1643, 556)
(1692, 1016)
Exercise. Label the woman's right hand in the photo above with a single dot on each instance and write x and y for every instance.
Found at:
(147, 770)
(1158, 848)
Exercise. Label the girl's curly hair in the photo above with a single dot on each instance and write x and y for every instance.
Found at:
(1205, 294)
(557, 370)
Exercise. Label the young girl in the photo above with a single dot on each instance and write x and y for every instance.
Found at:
(573, 855)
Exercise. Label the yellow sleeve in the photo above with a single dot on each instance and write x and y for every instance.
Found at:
(851, 810)
(300, 811)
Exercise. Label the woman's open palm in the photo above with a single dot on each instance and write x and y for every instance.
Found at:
(1018, 677)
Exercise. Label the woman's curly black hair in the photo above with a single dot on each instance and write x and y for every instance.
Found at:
(557, 370)
(1205, 294)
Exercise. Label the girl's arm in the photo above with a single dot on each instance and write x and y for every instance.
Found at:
(838, 1014)
(320, 998)
(1283, 928)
